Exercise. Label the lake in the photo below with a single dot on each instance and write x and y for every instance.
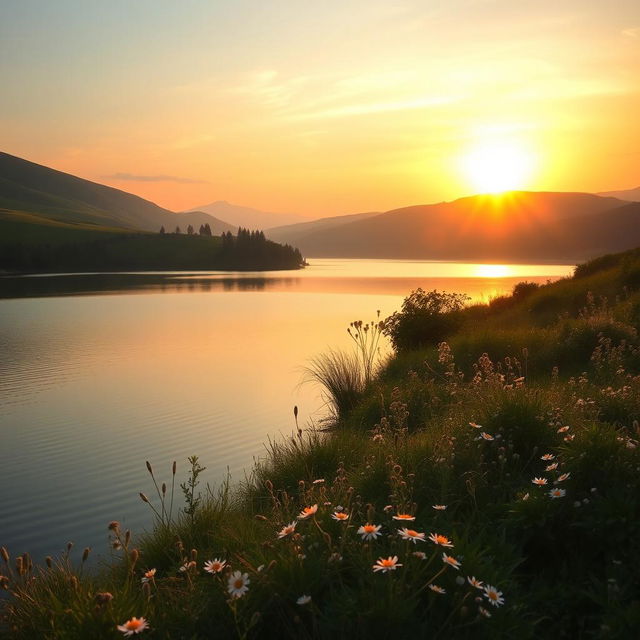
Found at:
(100, 372)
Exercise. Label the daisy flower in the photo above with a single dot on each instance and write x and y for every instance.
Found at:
(551, 467)
(302, 600)
(287, 530)
(439, 507)
(237, 585)
(486, 436)
(135, 625)
(563, 477)
(404, 517)
(436, 538)
(547, 456)
(370, 531)
(421, 555)
(525, 496)
(483, 612)
(451, 561)
(539, 481)
(475, 425)
(318, 481)
(215, 566)
(569, 438)
(557, 493)
(187, 566)
(493, 595)
(340, 515)
(410, 534)
(436, 589)
(563, 429)
(148, 575)
(386, 564)
(307, 511)
(474, 583)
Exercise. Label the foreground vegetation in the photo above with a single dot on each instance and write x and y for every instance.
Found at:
(486, 486)
(30, 243)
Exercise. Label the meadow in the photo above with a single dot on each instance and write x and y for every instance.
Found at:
(482, 482)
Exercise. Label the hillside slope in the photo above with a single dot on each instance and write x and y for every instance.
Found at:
(26, 186)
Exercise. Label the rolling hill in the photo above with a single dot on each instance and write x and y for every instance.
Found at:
(36, 189)
(631, 195)
(518, 226)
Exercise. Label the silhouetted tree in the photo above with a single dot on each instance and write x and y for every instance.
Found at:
(162, 229)
(190, 230)
(178, 230)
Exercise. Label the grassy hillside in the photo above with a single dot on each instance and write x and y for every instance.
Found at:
(30, 243)
(29, 187)
(519, 226)
(483, 485)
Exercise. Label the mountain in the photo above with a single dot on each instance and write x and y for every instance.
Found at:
(36, 189)
(631, 195)
(517, 226)
(246, 216)
(292, 233)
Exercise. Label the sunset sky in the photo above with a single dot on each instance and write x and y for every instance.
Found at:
(323, 108)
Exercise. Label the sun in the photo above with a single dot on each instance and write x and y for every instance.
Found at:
(498, 167)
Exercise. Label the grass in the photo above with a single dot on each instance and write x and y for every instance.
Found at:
(516, 442)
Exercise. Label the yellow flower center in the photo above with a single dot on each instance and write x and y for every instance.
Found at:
(369, 528)
(388, 563)
(133, 624)
(239, 583)
(493, 595)
(412, 533)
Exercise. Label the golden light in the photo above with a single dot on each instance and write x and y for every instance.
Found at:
(498, 167)
(492, 271)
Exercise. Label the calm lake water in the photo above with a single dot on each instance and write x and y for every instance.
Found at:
(99, 373)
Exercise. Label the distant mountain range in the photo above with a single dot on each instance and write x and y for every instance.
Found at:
(631, 195)
(518, 226)
(50, 194)
(246, 216)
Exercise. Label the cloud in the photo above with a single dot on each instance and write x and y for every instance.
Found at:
(159, 178)
(634, 32)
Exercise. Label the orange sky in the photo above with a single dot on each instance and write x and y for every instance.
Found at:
(322, 109)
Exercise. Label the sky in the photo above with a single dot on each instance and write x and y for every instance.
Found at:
(323, 108)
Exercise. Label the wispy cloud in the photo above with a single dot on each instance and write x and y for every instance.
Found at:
(158, 178)
(633, 32)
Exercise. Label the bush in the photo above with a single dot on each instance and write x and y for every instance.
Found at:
(426, 319)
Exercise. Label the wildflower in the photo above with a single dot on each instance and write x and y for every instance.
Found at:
(378, 437)
(103, 598)
(302, 600)
(386, 564)
(148, 575)
(370, 531)
(215, 566)
(525, 496)
(135, 625)
(439, 507)
(436, 589)
(475, 426)
(487, 436)
(547, 456)
(287, 530)
(451, 561)
(388, 508)
(539, 481)
(563, 429)
(557, 493)
(493, 595)
(474, 583)
(421, 555)
(436, 538)
(187, 565)
(563, 477)
(551, 467)
(340, 515)
(410, 534)
(404, 516)
(307, 511)
(335, 557)
(483, 612)
(237, 585)
(318, 481)
(569, 438)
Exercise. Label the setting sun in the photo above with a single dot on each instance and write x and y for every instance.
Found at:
(498, 167)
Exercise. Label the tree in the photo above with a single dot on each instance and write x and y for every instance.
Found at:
(178, 230)
(162, 229)
(190, 230)
(426, 319)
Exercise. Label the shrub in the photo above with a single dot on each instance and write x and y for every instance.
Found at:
(426, 319)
